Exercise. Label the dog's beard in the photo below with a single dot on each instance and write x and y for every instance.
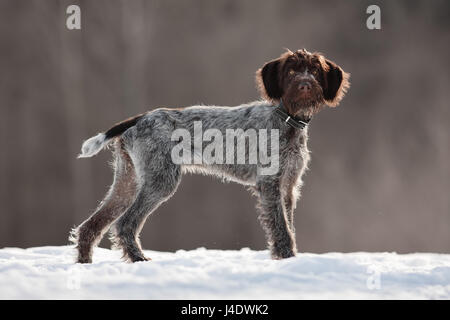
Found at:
(304, 107)
(300, 106)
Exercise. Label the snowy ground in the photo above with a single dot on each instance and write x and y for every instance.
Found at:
(48, 273)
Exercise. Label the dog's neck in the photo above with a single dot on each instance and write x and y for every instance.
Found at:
(298, 122)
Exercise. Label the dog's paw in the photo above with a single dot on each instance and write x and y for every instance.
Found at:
(283, 254)
(282, 257)
(84, 255)
(84, 260)
(138, 258)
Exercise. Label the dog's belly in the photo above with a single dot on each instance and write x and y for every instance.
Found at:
(242, 174)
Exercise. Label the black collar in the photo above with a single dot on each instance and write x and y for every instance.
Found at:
(290, 120)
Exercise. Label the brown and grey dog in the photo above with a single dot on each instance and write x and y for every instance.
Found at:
(295, 87)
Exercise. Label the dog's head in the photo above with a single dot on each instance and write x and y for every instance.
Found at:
(305, 81)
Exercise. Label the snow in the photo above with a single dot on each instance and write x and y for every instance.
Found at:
(49, 273)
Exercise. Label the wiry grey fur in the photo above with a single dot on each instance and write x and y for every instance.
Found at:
(145, 176)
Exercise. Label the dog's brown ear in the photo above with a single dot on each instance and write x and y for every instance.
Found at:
(268, 80)
(336, 83)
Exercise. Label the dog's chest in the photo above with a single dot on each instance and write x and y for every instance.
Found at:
(295, 154)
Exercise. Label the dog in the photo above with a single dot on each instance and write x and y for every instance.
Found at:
(294, 87)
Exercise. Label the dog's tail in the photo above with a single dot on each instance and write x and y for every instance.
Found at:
(93, 145)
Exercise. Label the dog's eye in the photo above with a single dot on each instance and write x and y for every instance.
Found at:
(291, 72)
(315, 72)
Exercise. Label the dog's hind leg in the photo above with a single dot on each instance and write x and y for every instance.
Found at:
(159, 181)
(119, 197)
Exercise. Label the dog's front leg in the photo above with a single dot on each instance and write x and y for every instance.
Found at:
(273, 219)
(289, 203)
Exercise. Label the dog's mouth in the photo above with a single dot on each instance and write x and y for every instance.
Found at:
(303, 101)
(305, 96)
(308, 98)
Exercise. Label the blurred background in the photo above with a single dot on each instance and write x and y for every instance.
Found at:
(379, 179)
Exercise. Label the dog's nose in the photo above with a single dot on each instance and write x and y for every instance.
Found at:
(304, 87)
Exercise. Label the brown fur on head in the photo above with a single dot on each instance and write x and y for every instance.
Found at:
(304, 81)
